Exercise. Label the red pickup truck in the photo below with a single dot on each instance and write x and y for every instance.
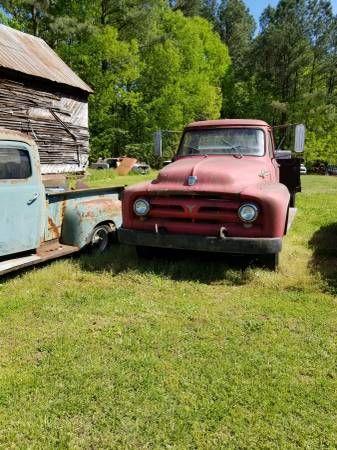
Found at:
(225, 191)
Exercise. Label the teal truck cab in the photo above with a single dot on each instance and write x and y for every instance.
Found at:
(40, 224)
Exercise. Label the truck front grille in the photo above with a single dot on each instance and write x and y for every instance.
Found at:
(198, 215)
(195, 209)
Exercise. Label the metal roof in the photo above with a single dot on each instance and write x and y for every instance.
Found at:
(31, 55)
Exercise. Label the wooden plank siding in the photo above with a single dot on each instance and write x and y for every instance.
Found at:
(57, 121)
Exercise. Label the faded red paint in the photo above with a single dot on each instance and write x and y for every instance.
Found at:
(224, 183)
(228, 123)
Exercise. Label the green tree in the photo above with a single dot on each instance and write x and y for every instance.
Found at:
(320, 23)
(111, 66)
(209, 11)
(3, 18)
(236, 28)
(281, 57)
(28, 13)
(145, 77)
(188, 7)
(181, 78)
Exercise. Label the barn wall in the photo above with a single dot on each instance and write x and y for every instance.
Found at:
(58, 122)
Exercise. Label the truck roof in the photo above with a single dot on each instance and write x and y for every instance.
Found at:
(11, 135)
(228, 122)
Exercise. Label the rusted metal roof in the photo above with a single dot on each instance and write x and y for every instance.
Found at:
(32, 56)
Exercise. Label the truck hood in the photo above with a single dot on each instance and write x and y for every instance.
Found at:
(214, 173)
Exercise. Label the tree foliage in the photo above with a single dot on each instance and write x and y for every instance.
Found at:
(289, 71)
(161, 63)
(236, 27)
(150, 65)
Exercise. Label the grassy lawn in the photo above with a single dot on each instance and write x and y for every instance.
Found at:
(101, 178)
(116, 353)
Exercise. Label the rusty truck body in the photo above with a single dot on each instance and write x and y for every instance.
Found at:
(40, 224)
(225, 191)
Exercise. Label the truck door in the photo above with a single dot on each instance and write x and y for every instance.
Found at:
(20, 198)
(290, 174)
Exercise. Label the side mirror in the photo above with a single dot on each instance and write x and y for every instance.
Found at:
(299, 138)
(283, 154)
(158, 143)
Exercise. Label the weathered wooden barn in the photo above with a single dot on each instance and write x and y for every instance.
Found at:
(40, 95)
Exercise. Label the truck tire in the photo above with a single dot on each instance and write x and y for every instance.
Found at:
(292, 199)
(287, 221)
(271, 261)
(100, 238)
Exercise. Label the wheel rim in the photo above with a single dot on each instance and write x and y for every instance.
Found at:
(100, 239)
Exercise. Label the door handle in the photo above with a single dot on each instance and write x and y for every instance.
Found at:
(32, 200)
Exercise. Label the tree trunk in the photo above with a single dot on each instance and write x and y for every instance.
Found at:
(103, 20)
(35, 20)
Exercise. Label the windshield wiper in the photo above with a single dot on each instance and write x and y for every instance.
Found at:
(234, 148)
(238, 154)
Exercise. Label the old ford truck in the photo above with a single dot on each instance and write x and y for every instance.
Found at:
(39, 224)
(225, 191)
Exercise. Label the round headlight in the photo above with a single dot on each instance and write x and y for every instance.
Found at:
(248, 212)
(141, 207)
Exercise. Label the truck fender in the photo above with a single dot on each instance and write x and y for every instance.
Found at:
(274, 198)
(278, 200)
(81, 219)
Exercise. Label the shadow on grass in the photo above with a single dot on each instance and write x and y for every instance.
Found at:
(324, 257)
(187, 266)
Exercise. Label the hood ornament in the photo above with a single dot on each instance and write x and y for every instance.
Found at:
(192, 180)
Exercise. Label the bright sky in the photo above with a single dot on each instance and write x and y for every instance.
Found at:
(257, 6)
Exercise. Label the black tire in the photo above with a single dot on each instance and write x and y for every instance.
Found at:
(271, 261)
(101, 238)
(292, 200)
(287, 221)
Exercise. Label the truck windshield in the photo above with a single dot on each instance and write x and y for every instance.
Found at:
(223, 141)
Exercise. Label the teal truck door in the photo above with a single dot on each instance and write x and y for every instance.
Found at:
(21, 198)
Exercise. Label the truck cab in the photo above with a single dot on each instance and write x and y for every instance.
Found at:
(222, 193)
(21, 197)
(38, 223)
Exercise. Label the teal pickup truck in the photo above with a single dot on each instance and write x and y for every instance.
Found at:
(39, 224)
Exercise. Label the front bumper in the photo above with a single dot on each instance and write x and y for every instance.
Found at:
(251, 246)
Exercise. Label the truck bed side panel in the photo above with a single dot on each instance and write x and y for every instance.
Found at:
(73, 215)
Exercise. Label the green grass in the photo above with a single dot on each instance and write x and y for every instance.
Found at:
(112, 352)
(101, 178)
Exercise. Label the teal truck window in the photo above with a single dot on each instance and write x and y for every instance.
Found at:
(14, 164)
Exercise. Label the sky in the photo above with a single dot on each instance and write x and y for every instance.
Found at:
(257, 6)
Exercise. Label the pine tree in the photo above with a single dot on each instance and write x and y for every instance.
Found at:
(188, 7)
(236, 28)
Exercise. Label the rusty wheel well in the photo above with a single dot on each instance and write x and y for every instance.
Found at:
(110, 223)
